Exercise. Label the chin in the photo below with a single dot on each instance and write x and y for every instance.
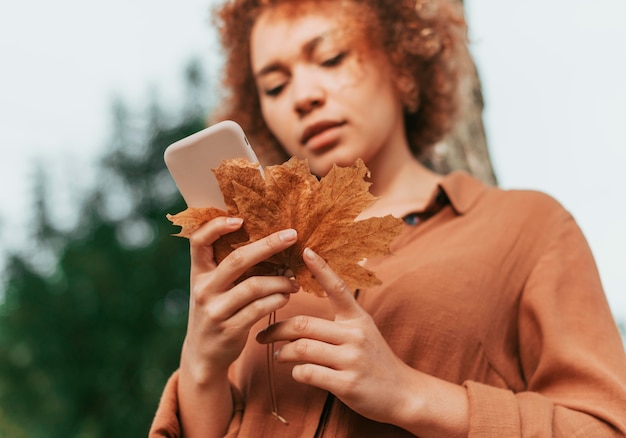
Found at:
(320, 169)
(322, 164)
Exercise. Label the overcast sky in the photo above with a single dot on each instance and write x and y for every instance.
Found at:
(553, 78)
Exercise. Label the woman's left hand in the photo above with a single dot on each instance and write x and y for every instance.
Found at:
(348, 356)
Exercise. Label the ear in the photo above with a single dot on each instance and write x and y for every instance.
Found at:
(408, 92)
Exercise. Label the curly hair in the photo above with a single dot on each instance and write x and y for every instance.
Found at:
(424, 41)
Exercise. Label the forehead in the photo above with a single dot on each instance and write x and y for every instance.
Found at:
(287, 29)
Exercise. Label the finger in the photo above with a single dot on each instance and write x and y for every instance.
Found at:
(303, 326)
(340, 296)
(250, 315)
(201, 241)
(312, 351)
(316, 375)
(243, 258)
(244, 298)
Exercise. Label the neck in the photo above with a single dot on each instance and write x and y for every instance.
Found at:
(400, 182)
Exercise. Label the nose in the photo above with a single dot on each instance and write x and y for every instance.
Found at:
(308, 93)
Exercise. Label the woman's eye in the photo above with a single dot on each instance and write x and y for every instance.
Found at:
(335, 60)
(274, 91)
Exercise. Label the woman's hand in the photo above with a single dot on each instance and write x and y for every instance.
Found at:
(350, 358)
(220, 317)
(222, 313)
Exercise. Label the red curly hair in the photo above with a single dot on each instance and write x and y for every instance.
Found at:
(424, 41)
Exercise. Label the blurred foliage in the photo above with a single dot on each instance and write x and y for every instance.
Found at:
(93, 321)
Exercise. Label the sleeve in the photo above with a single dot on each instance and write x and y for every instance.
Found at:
(166, 423)
(570, 351)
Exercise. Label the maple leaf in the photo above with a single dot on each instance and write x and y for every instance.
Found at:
(322, 211)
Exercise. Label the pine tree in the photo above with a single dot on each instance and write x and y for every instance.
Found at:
(89, 340)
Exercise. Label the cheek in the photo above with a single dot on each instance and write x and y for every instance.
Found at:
(345, 79)
(277, 121)
(270, 113)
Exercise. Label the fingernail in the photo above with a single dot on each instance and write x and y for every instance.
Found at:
(276, 354)
(234, 221)
(295, 286)
(259, 335)
(309, 254)
(287, 235)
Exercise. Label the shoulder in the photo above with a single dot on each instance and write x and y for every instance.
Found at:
(529, 202)
(469, 196)
(523, 218)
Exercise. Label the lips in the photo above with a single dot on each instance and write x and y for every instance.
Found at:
(318, 128)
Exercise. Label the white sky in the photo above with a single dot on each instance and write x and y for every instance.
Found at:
(552, 72)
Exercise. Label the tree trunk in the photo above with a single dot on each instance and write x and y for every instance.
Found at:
(465, 147)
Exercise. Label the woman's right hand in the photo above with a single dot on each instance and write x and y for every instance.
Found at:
(221, 313)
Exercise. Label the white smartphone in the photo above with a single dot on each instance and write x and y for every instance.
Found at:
(191, 159)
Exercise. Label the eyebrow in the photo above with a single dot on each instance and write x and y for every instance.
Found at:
(307, 49)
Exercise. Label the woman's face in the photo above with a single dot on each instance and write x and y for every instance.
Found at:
(325, 94)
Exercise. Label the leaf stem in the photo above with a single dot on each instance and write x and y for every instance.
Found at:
(271, 374)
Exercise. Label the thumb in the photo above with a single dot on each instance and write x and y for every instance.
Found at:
(340, 296)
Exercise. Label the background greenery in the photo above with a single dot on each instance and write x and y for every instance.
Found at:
(93, 321)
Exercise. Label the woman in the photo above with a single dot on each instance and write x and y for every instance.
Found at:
(491, 320)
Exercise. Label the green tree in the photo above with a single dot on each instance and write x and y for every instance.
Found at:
(92, 323)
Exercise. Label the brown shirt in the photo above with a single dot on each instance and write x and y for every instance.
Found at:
(496, 291)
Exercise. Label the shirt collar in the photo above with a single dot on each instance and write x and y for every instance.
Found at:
(462, 190)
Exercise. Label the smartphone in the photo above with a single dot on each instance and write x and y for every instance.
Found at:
(191, 159)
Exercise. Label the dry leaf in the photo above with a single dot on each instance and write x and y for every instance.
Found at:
(323, 212)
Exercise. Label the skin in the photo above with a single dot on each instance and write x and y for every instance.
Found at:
(220, 317)
(308, 73)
